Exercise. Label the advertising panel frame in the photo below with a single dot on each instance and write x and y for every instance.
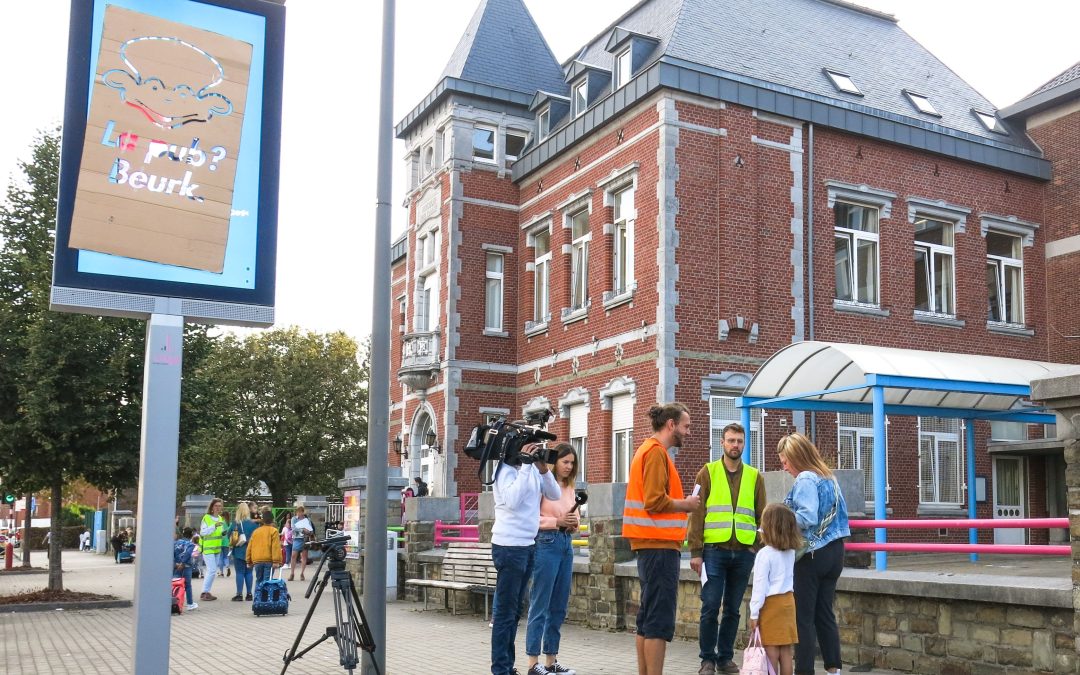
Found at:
(126, 294)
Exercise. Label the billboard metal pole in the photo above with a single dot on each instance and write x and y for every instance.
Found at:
(157, 490)
(379, 394)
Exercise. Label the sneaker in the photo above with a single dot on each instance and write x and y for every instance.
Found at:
(237, 598)
(537, 669)
(560, 669)
(708, 667)
(248, 597)
(728, 667)
(192, 606)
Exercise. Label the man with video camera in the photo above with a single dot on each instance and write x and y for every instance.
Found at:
(519, 483)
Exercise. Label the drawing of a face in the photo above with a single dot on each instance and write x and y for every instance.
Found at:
(169, 107)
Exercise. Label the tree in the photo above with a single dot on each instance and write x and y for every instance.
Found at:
(292, 414)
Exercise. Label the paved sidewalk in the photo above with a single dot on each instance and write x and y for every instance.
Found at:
(226, 635)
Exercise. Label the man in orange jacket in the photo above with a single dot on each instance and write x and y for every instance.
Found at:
(654, 520)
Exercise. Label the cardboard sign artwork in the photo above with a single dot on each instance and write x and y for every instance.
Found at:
(162, 141)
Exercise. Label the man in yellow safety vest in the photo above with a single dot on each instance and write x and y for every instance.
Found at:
(722, 535)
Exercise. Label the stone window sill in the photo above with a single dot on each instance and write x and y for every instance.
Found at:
(1014, 329)
(941, 510)
(496, 333)
(856, 308)
(611, 301)
(534, 329)
(939, 319)
(571, 316)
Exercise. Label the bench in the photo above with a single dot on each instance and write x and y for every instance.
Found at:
(467, 566)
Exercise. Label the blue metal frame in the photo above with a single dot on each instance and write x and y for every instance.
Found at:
(878, 409)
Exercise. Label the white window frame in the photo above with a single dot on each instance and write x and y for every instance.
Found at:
(933, 252)
(494, 143)
(579, 96)
(427, 314)
(623, 70)
(579, 262)
(622, 274)
(543, 123)
(843, 82)
(860, 427)
(541, 269)
(621, 454)
(933, 499)
(754, 438)
(494, 292)
(1001, 265)
(516, 134)
(853, 237)
(921, 102)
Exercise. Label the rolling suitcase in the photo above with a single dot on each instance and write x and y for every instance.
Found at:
(271, 596)
(178, 594)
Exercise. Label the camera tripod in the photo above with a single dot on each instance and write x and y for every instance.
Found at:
(350, 630)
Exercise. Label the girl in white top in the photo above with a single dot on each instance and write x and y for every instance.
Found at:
(772, 603)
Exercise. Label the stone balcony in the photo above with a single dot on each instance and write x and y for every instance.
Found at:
(419, 360)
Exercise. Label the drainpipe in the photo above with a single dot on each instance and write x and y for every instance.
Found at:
(810, 251)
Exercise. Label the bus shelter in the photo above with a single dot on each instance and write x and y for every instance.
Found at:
(880, 381)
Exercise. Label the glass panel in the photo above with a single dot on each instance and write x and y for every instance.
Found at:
(845, 456)
(948, 471)
(513, 145)
(1004, 245)
(622, 456)
(542, 243)
(1008, 431)
(855, 217)
(580, 275)
(484, 144)
(927, 493)
(540, 299)
(1014, 295)
(943, 283)
(580, 98)
(866, 463)
(867, 269)
(993, 290)
(621, 246)
(580, 446)
(933, 232)
(579, 224)
(542, 124)
(494, 263)
(843, 82)
(622, 69)
(922, 280)
(493, 318)
(1007, 489)
(922, 103)
(843, 267)
(624, 204)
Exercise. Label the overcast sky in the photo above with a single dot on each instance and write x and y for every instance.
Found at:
(327, 212)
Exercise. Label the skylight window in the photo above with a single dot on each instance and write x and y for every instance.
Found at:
(843, 82)
(991, 122)
(922, 103)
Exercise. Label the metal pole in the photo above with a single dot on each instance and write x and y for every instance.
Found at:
(969, 438)
(157, 491)
(744, 418)
(879, 474)
(379, 393)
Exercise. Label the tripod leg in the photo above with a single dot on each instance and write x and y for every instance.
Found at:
(290, 655)
(363, 631)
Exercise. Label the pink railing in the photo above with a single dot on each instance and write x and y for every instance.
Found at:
(462, 532)
(961, 523)
(469, 508)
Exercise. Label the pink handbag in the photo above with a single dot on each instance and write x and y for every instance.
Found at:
(754, 660)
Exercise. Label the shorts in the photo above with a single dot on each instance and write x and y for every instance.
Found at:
(658, 574)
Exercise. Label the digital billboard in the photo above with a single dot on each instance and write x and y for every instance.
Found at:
(169, 161)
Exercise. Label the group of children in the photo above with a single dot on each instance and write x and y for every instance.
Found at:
(263, 554)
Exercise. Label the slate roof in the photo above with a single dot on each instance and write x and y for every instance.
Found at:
(1064, 77)
(502, 46)
(790, 42)
(1063, 87)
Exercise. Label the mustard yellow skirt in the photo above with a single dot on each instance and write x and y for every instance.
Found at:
(777, 620)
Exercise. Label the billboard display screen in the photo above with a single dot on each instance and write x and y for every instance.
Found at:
(169, 164)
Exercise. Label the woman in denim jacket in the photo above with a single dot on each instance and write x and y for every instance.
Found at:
(821, 512)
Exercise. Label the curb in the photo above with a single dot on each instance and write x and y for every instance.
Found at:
(51, 606)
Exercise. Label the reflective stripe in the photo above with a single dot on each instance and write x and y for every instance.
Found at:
(630, 504)
(720, 509)
(745, 526)
(638, 522)
(743, 511)
(649, 522)
(723, 520)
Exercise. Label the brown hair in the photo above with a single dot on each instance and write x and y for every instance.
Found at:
(661, 413)
(735, 427)
(802, 455)
(215, 500)
(779, 529)
(267, 517)
(565, 449)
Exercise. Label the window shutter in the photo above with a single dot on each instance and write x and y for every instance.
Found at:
(622, 412)
(579, 421)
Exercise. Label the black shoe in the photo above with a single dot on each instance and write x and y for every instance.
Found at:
(237, 598)
(248, 597)
(559, 669)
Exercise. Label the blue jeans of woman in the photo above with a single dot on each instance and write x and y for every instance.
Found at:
(729, 572)
(263, 572)
(815, 589)
(552, 573)
(243, 575)
(185, 574)
(514, 565)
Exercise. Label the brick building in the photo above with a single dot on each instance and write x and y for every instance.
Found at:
(704, 183)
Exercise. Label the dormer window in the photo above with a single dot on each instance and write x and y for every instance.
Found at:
(622, 72)
(843, 82)
(543, 123)
(513, 145)
(922, 103)
(580, 97)
(991, 122)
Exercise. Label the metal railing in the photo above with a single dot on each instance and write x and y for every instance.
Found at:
(462, 532)
(469, 508)
(966, 524)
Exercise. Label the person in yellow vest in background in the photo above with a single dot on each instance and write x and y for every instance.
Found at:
(723, 538)
(212, 533)
(654, 521)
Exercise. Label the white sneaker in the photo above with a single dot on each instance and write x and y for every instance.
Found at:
(192, 606)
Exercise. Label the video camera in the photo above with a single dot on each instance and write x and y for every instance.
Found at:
(503, 440)
(332, 547)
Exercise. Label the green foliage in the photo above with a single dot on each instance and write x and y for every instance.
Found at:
(291, 412)
(74, 514)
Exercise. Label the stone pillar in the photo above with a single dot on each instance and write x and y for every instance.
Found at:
(485, 515)
(606, 548)
(356, 479)
(1061, 393)
(420, 516)
(194, 508)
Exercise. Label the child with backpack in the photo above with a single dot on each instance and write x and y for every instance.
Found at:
(183, 562)
(264, 548)
(772, 602)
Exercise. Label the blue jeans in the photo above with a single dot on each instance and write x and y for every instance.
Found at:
(729, 572)
(243, 575)
(514, 565)
(552, 573)
(185, 574)
(263, 572)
